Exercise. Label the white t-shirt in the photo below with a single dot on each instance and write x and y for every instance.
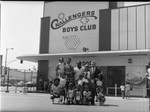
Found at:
(70, 93)
(85, 80)
(80, 82)
(62, 81)
(122, 87)
(99, 83)
(78, 72)
(55, 89)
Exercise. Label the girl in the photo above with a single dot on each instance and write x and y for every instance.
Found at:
(70, 94)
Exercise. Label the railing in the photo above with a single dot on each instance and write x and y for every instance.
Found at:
(115, 88)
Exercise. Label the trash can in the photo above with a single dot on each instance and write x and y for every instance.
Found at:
(25, 89)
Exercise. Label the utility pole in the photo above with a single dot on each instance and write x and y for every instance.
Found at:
(7, 91)
(5, 68)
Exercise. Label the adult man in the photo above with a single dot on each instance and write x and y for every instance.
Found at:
(95, 72)
(79, 70)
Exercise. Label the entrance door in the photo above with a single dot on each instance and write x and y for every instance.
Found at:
(115, 75)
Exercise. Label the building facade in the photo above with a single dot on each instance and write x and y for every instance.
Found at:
(117, 38)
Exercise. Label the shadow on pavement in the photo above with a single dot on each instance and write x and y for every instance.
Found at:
(132, 99)
(85, 105)
(110, 105)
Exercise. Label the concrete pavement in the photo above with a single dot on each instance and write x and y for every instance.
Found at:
(40, 102)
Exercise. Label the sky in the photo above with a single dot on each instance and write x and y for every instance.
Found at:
(20, 29)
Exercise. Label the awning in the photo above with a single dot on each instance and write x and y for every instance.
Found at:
(37, 57)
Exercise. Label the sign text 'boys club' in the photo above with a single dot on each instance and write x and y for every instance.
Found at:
(83, 16)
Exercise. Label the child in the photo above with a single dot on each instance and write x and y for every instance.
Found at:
(60, 68)
(128, 88)
(55, 89)
(87, 71)
(78, 95)
(70, 94)
(122, 87)
(86, 95)
(80, 81)
(63, 89)
(101, 97)
(99, 84)
(85, 79)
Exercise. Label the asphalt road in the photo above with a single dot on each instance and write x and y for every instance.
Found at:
(40, 102)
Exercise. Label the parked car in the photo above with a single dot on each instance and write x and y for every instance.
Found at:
(5, 84)
(31, 84)
(20, 84)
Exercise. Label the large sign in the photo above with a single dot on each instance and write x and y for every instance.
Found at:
(74, 26)
(82, 16)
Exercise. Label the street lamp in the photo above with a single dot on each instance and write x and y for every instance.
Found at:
(5, 68)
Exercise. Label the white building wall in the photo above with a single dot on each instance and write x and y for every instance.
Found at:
(115, 29)
(141, 27)
(103, 61)
(123, 29)
(130, 28)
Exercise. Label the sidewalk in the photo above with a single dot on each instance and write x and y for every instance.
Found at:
(14, 89)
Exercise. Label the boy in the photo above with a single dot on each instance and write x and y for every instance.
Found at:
(122, 87)
(60, 68)
(86, 95)
(55, 89)
(101, 97)
(78, 95)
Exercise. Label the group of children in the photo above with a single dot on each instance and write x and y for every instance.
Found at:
(125, 90)
(77, 85)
